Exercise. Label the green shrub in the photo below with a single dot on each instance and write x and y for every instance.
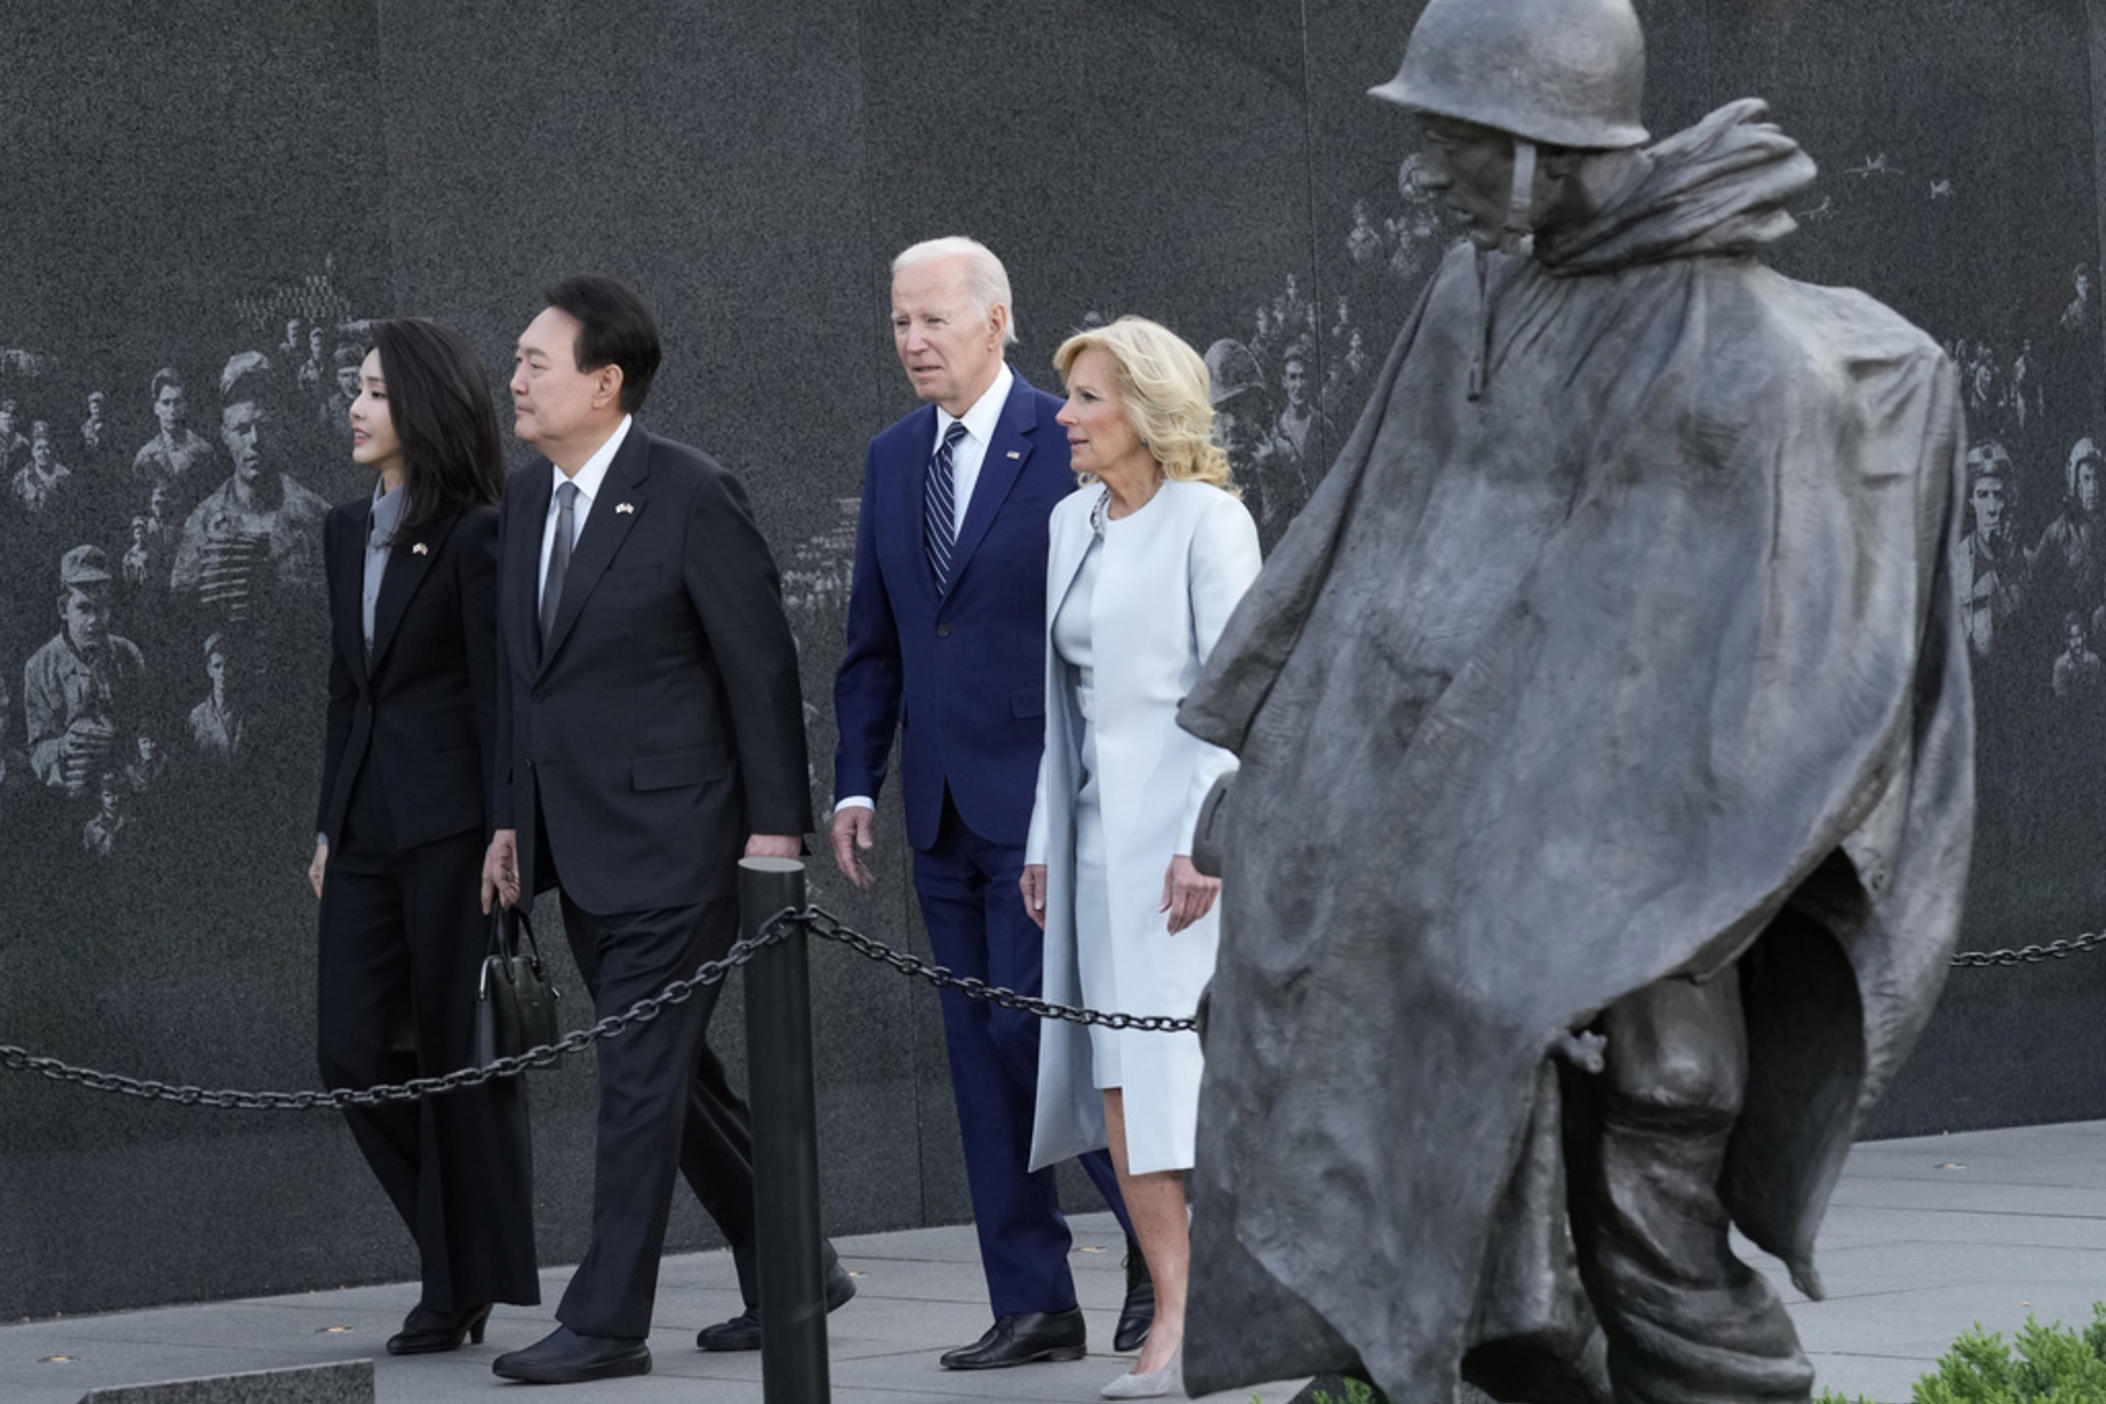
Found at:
(2042, 1365)
(2051, 1365)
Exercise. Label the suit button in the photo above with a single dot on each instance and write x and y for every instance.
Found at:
(943, 631)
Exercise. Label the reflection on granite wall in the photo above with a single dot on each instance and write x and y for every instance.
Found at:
(208, 203)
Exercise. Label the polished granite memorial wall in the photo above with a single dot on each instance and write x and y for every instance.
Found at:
(184, 183)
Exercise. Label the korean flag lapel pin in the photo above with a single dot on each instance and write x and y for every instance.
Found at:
(420, 549)
(624, 509)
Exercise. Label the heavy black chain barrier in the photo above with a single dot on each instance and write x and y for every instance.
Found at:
(814, 921)
(829, 927)
(2031, 955)
(777, 928)
(643, 1011)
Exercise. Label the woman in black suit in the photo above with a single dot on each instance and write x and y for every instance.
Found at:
(398, 856)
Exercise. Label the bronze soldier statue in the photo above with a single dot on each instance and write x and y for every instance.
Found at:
(1607, 784)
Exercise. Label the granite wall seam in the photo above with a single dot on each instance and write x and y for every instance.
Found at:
(2095, 73)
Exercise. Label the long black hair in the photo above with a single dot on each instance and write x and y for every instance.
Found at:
(439, 402)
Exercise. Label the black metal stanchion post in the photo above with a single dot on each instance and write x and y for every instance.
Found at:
(785, 1140)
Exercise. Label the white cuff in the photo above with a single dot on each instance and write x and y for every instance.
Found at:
(854, 802)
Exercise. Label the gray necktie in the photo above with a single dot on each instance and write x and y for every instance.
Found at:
(559, 556)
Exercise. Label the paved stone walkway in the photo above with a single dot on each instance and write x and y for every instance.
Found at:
(1926, 1237)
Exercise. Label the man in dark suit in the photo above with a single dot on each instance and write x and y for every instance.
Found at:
(651, 731)
(946, 643)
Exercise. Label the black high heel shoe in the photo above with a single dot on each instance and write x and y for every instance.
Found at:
(429, 1332)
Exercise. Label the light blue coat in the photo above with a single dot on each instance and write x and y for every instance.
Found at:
(1171, 575)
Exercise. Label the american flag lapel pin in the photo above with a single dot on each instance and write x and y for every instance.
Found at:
(420, 549)
(621, 507)
(1013, 453)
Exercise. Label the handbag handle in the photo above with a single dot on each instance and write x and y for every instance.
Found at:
(506, 944)
(533, 946)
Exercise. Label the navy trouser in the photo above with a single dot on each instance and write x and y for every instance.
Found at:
(977, 926)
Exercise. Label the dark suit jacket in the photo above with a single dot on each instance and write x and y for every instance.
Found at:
(963, 679)
(663, 721)
(422, 713)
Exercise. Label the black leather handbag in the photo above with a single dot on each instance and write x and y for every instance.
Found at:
(515, 1002)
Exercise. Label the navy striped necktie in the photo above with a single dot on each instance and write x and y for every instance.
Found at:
(939, 507)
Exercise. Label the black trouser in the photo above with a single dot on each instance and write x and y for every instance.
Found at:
(664, 1102)
(1687, 1322)
(402, 942)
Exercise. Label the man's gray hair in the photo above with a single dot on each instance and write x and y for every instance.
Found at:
(986, 279)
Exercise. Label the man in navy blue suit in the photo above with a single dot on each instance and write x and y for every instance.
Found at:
(946, 644)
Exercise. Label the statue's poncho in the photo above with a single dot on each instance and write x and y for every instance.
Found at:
(1644, 659)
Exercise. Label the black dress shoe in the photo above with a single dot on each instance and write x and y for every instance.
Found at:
(1023, 1338)
(565, 1357)
(1138, 1314)
(742, 1332)
(426, 1332)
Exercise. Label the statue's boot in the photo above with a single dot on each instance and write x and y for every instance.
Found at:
(1687, 1322)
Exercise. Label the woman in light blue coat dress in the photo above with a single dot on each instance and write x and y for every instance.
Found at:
(1145, 565)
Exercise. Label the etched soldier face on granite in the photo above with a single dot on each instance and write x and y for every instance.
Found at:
(85, 613)
(2088, 486)
(1294, 380)
(170, 409)
(245, 427)
(1240, 428)
(1987, 502)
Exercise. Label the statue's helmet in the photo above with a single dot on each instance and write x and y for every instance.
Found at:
(1556, 72)
(1231, 371)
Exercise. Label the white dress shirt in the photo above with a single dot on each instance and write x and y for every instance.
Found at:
(971, 451)
(966, 457)
(587, 480)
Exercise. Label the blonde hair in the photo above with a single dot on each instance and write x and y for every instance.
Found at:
(1165, 391)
